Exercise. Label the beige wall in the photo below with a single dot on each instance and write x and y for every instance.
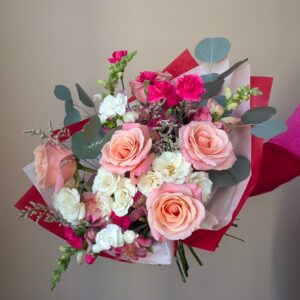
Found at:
(64, 41)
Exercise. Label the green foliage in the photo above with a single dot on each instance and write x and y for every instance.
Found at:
(116, 73)
(83, 96)
(237, 173)
(63, 263)
(269, 128)
(212, 50)
(209, 77)
(258, 115)
(62, 93)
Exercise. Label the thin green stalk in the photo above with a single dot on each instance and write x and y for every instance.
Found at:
(234, 237)
(180, 269)
(87, 169)
(195, 256)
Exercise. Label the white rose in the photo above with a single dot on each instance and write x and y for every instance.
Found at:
(172, 167)
(123, 197)
(104, 203)
(129, 236)
(111, 236)
(130, 116)
(105, 182)
(202, 180)
(113, 106)
(67, 202)
(150, 181)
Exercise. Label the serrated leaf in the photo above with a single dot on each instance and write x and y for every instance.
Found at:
(92, 128)
(62, 92)
(212, 50)
(269, 129)
(209, 77)
(83, 96)
(258, 114)
(237, 173)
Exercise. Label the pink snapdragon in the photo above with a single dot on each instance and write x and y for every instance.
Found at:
(72, 239)
(117, 56)
(190, 87)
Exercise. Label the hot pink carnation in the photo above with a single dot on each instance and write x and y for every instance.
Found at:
(127, 149)
(206, 147)
(175, 211)
(190, 87)
(54, 165)
(117, 56)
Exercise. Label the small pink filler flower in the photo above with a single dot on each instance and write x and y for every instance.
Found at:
(117, 56)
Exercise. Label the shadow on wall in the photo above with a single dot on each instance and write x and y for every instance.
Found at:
(286, 244)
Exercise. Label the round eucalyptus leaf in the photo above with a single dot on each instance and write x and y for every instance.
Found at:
(269, 129)
(62, 93)
(258, 114)
(212, 50)
(72, 116)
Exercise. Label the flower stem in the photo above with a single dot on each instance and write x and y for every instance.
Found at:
(87, 169)
(195, 256)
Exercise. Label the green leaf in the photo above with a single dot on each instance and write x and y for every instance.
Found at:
(258, 114)
(269, 129)
(69, 105)
(213, 88)
(83, 96)
(72, 116)
(231, 69)
(83, 149)
(238, 172)
(92, 128)
(212, 50)
(62, 92)
(220, 99)
(210, 77)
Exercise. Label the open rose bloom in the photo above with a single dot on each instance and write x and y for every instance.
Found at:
(164, 170)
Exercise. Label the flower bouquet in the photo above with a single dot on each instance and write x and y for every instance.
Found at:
(145, 178)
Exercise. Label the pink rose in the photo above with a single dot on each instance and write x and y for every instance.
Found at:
(175, 211)
(72, 239)
(117, 56)
(190, 87)
(203, 114)
(92, 207)
(206, 147)
(54, 165)
(127, 149)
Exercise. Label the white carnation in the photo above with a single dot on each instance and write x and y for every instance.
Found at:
(113, 106)
(111, 236)
(105, 182)
(129, 236)
(150, 181)
(201, 179)
(130, 116)
(67, 202)
(123, 197)
(172, 167)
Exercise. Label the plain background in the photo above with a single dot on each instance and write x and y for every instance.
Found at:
(44, 43)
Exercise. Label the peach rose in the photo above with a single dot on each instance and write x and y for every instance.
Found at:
(127, 149)
(206, 147)
(54, 165)
(175, 211)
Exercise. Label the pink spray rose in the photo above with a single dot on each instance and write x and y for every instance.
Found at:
(206, 147)
(117, 56)
(127, 149)
(190, 87)
(175, 211)
(54, 165)
(92, 207)
(203, 114)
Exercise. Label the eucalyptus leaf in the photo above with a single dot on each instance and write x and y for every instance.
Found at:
(72, 116)
(83, 149)
(69, 105)
(212, 50)
(232, 68)
(237, 173)
(213, 88)
(92, 128)
(221, 99)
(258, 114)
(210, 77)
(83, 96)
(269, 129)
(62, 92)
